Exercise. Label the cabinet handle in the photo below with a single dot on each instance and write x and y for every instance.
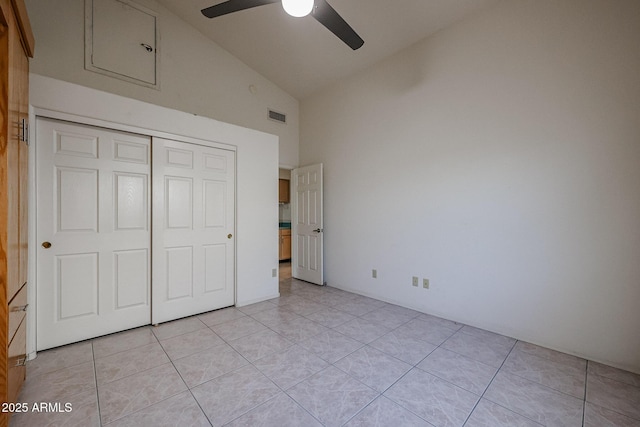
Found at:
(20, 307)
(21, 362)
(24, 131)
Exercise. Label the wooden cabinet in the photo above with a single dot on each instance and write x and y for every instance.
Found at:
(16, 45)
(285, 244)
(283, 191)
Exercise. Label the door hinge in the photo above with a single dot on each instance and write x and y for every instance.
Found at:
(24, 131)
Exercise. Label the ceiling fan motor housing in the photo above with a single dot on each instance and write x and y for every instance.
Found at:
(319, 9)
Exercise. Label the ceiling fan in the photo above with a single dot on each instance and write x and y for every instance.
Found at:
(319, 9)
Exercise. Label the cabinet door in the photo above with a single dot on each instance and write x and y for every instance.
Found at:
(16, 42)
(286, 246)
(283, 191)
(16, 370)
(17, 166)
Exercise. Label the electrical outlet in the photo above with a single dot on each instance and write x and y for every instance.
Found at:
(374, 273)
(425, 283)
(415, 281)
(274, 272)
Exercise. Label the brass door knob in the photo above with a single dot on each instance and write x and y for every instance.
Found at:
(46, 245)
(229, 236)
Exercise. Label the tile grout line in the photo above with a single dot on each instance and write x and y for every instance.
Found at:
(584, 402)
(333, 364)
(146, 370)
(378, 394)
(544, 385)
(298, 403)
(616, 381)
(329, 364)
(510, 373)
(513, 346)
(95, 379)
(448, 382)
(413, 366)
(262, 373)
(249, 363)
(182, 378)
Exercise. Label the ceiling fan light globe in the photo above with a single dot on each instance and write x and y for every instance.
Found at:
(297, 8)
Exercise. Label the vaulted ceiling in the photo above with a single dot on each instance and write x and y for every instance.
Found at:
(301, 56)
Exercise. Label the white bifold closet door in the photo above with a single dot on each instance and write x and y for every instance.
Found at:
(93, 232)
(193, 229)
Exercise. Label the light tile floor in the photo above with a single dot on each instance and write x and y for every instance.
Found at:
(321, 356)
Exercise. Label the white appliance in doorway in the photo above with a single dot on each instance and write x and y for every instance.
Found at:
(307, 224)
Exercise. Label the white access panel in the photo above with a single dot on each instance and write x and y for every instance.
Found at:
(93, 207)
(121, 40)
(193, 229)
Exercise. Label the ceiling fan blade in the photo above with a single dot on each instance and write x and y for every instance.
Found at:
(327, 16)
(231, 6)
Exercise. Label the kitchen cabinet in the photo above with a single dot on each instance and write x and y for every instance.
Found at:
(285, 244)
(16, 46)
(283, 191)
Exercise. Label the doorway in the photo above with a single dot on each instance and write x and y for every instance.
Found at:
(284, 224)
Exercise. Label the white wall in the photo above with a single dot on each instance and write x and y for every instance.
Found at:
(499, 158)
(196, 75)
(256, 180)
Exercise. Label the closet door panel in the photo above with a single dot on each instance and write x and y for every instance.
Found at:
(93, 229)
(193, 229)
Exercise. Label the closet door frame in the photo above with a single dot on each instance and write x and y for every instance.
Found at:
(36, 112)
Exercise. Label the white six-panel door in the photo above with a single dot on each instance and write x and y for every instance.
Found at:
(93, 229)
(307, 224)
(193, 229)
(95, 220)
